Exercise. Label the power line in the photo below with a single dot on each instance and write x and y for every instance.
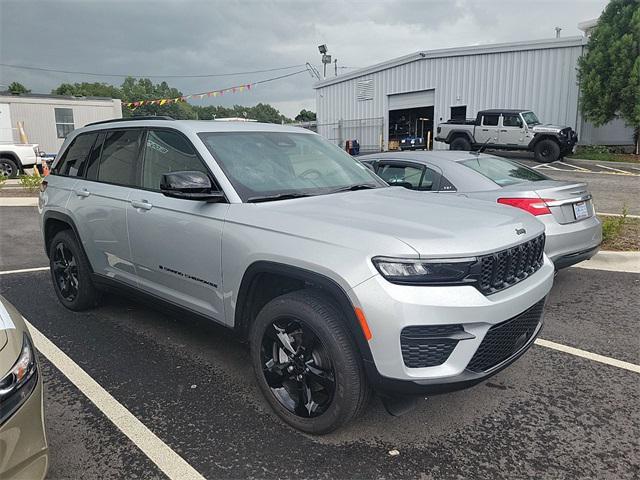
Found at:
(44, 69)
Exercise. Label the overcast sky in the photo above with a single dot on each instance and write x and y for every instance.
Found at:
(214, 37)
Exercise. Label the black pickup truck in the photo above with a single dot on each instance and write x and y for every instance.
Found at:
(502, 129)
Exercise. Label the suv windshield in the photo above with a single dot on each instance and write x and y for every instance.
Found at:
(530, 118)
(278, 165)
(503, 172)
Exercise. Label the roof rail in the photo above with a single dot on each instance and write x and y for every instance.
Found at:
(147, 117)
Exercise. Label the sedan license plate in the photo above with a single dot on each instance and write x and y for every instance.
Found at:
(580, 210)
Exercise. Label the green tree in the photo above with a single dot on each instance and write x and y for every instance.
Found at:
(86, 89)
(306, 116)
(144, 89)
(609, 72)
(262, 112)
(17, 88)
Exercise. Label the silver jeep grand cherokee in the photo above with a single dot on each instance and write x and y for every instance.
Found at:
(341, 283)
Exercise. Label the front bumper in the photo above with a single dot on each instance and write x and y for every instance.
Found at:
(23, 444)
(390, 308)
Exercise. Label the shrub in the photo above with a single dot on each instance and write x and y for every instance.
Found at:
(3, 179)
(31, 183)
(611, 226)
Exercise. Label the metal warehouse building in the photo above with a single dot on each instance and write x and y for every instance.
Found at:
(48, 119)
(410, 95)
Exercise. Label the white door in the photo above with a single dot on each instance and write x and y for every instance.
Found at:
(487, 131)
(6, 133)
(512, 130)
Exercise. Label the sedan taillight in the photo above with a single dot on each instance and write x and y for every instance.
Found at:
(535, 206)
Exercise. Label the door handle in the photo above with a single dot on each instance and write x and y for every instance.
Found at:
(505, 131)
(485, 129)
(83, 193)
(143, 205)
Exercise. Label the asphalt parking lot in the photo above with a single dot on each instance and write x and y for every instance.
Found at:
(552, 414)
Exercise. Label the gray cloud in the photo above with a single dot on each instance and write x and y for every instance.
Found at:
(196, 37)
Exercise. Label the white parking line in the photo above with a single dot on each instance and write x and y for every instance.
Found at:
(574, 166)
(615, 169)
(632, 367)
(617, 215)
(550, 167)
(167, 460)
(24, 270)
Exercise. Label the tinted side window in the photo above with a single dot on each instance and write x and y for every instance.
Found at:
(165, 152)
(401, 173)
(490, 120)
(74, 160)
(94, 158)
(511, 121)
(430, 180)
(119, 157)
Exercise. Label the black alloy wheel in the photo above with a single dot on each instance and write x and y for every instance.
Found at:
(306, 362)
(296, 368)
(65, 272)
(71, 272)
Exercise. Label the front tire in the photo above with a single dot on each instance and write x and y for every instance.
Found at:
(546, 151)
(9, 168)
(70, 273)
(306, 363)
(460, 143)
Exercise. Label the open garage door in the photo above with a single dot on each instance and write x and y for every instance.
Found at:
(411, 120)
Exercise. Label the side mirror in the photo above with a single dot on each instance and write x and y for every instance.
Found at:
(189, 185)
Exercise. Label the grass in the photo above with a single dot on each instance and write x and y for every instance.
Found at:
(3, 179)
(601, 153)
(620, 233)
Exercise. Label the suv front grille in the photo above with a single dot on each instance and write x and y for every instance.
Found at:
(506, 339)
(508, 267)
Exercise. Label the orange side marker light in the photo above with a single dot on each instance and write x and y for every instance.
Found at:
(363, 323)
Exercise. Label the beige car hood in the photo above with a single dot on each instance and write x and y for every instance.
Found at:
(12, 329)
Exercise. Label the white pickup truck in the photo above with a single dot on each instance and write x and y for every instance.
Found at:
(503, 129)
(14, 158)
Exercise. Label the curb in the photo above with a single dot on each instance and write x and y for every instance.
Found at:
(18, 201)
(613, 261)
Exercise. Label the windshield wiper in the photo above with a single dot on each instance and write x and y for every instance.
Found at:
(279, 196)
(353, 188)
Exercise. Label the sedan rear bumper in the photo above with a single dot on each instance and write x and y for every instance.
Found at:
(571, 243)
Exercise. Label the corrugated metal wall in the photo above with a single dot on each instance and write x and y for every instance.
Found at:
(39, 117)
(542, 79)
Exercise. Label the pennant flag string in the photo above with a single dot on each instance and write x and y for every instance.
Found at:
(212, 93)
(184, 98)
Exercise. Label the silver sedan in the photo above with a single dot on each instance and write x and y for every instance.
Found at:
(573, 231)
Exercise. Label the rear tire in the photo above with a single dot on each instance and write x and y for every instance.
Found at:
(9, 168)
(333, 390)
(460, 143)
(546, 151)
(70, 273)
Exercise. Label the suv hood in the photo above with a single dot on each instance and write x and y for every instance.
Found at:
(548, 128)
(396, 221)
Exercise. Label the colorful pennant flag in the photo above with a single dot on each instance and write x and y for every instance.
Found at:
(184, 98)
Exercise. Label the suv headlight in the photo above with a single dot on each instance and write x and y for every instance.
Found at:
(19, 382)
(449, 271)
